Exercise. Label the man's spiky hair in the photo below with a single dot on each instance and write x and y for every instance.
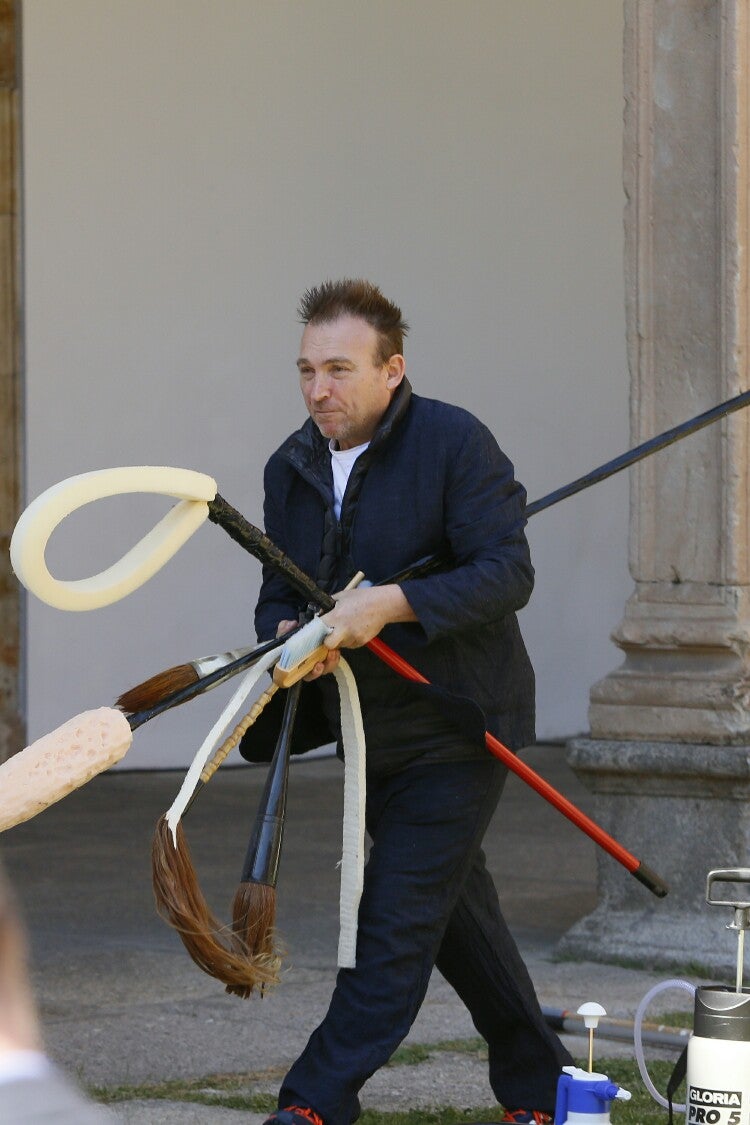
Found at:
(356, 297)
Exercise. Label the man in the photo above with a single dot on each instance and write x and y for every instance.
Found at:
(32, 1090)
(376, 479)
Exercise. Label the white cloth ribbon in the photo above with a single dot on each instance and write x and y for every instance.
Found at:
(353, 829)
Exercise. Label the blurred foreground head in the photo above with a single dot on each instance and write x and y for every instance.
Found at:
(19, 1028)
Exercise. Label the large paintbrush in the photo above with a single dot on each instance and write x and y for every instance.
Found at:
(158, 687)
(204, 671)
(243, 957)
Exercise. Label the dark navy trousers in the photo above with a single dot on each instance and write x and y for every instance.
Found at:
(428, 900)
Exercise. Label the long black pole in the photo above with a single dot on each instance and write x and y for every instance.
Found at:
(653, 445)
(253, 540)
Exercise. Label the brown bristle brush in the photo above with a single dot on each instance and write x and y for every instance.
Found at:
(214, 948)
(245, 957)
(163, 684)
(176, 685)
(254, 904)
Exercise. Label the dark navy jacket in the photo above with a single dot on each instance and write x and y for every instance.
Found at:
(433, 480)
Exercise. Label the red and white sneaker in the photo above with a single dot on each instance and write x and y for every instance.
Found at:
(527, 1117)
(294, 1115)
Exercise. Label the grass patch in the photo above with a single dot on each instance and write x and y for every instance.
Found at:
(234, 1091)
(414, 1053)
(683, 1021)
(229, 1091)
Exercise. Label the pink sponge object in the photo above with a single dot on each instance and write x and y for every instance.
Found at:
(60, 762)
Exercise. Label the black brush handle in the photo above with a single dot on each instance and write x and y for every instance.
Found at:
(264, 549)
(653, 445)
(182, 695)
(253, 540)
(443, 560)
(264, 850)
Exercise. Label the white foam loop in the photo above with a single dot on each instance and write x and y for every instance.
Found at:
(141, 562)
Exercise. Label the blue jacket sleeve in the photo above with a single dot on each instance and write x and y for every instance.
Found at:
(484, 526)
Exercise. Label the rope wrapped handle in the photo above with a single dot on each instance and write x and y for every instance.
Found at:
(241, 729)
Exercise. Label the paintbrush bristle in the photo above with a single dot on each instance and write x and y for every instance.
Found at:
(301, 653)
(215, 948)
(298, 647)
(306, 648)
(152, 691)
(254, 926)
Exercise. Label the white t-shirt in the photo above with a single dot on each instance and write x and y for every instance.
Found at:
(342, 463)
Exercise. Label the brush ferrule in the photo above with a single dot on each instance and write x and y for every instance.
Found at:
(207, 664)
(264, 851)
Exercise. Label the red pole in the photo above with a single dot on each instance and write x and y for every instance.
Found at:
(630, 862)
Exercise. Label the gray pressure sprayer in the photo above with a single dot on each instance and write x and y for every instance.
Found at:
(716, 1061)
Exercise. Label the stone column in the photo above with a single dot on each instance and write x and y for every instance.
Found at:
(669, 752)
(11, 723)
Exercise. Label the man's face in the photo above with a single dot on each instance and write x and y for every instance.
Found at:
(345, 389)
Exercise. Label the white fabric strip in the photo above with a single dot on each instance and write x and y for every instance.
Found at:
(353, 832)
(213, 737)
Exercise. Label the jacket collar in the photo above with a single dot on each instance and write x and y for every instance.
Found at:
(307, 449)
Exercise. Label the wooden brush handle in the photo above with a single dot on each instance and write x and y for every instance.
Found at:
(285, 677)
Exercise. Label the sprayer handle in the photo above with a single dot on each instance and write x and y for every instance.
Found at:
(727, 875)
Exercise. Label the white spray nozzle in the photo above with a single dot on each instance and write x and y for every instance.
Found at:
(591, 1013)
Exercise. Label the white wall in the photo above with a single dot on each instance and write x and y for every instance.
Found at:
(190, 168)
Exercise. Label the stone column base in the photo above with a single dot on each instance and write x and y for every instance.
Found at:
(682, 810)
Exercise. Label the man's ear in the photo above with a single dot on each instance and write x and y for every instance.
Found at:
(395, 369)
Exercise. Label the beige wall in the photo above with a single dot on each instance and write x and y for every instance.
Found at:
(190, 168)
